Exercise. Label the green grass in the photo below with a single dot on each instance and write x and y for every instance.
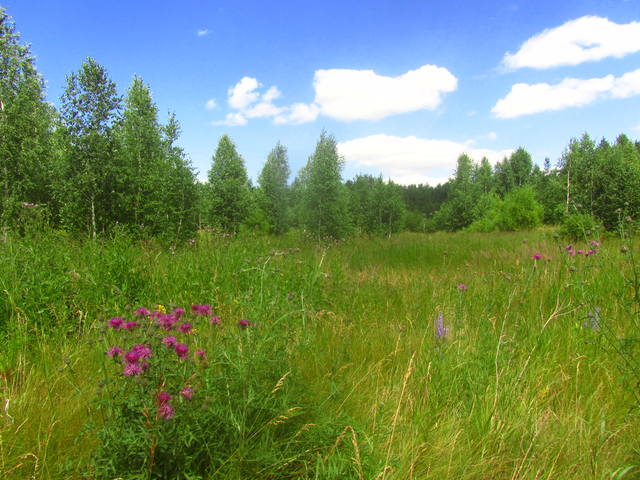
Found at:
(520, 388)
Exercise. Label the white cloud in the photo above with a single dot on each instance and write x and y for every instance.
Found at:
(364, 95)
(233, 119)
(525, 99)
(584, 39)
(408, 159)
(242, 94)
(271, 94)
(211, 104)
(203, 32)
(263, 109)
(298, 113)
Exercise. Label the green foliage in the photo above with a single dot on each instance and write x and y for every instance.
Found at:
(25, 123)
(274, 191)
(579, 226)
(325, 198)
(376, 206)
(519, 210)
(228, 188)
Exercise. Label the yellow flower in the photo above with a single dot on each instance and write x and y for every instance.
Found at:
(161, 308)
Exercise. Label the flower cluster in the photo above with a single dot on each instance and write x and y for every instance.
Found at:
(572, 252)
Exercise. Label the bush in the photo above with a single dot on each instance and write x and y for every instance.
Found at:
(579, 226)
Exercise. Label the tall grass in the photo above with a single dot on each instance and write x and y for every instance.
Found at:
(525, 383)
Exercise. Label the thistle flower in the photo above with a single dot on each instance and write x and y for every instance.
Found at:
(201, 354)
(166, 411)
(116, 323)
(142, 312)
(201, 309)
(178, 312)
(244, 323)
(132, 369)
(170, 342)
(441, 331)
(595, 243)
(214, 320)
(537, 256)
(181, 350)
(185, 327)
(115, 352)
(462, 287)
(163, 397)
(187, 392)
(142, 351)
(167, 321)
(130, 325)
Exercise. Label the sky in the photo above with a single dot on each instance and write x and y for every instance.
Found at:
(405, 87)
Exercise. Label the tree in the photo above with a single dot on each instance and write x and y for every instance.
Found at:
(274, 191)
(376, 206)
(326, 211)
(90, 106)
(228, 187)
(25, 126)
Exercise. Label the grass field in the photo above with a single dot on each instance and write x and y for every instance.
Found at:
(342, 371)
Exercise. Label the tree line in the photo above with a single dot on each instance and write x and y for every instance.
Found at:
(104, 161)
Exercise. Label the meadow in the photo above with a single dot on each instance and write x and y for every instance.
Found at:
(441, 356)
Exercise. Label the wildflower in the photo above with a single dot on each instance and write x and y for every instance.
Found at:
(166, 411)
(185, 327)
(142, 350)
(130, 325)
(116, 323)
(115, 352)
(201, 309)
(132, 369)
(163, 397)
(132, 356)
(142, 312)
(568, 248)
(580, 252)
(201, 354)
(170, 342)
(187, 392)
(161, 308)
(167, 321)
(462, 287)
(572, 253)
(441, 331)
(244, 323)
(181, 350)
(178, 312)
(215, 320)
(591, 252)
(595, 243)
(537, 256)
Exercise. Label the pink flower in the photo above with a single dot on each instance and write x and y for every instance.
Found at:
(580, 252)
(572, 253)
(215, 320)
(115, 352)
(244, 323)
(201, 309)
(132, 357)
(462, 287)
(187, 392)
(132, 369)
(181, 350)
(116, 323)
(167, 321)
(537, 256)
(163, 397)
(178, 312)
(142, 312)
(201, 354)
(165, 411)
(595, 243)
(142, 350)
(568, 248)
(185, 327)
(591, 252)
(130, 325)
(170, 341)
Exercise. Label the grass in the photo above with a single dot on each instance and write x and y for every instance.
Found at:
(521, 387)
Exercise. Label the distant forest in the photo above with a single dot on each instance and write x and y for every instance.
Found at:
(105, 161)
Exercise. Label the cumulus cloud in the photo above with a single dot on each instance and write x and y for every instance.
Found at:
(364, 95)
(525, 99)
(298, 113)
(243, 93)
(584, 39)
(203, 32)
(233, 119)
(211, 104)
(411, 159)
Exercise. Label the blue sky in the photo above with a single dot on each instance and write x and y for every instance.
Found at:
(404, 86)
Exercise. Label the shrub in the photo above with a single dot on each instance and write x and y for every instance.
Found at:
(578, 226)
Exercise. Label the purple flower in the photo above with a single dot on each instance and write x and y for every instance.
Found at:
(115, 352)
(142, 350)
(201, 309)
(132, 369)
(572, 253)
(201, 354)
(132, 356)
(178, 312)
(591, 252)
(130, 325)
(163, 397)
(441, 331)
(185, 327)
(537, 256)
(181, 350)
(580, 252)
(167, 321)
(169, 341)
(568, 248)
(116, 323)
(244, 323)
(595, 243)
(142, 312)
(187, 392)
(462, 287)
(214, 320)
(165, 411)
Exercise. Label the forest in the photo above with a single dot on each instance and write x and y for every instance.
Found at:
(104, 160)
